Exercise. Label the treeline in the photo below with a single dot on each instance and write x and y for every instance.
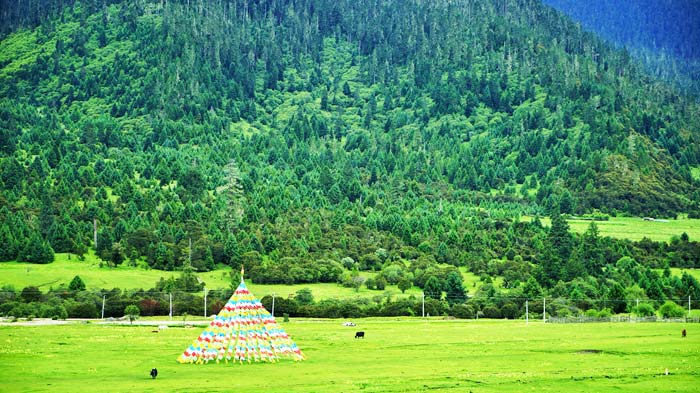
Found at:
(626, 289)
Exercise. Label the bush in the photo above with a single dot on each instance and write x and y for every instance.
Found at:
(81, 310)
(491, 312)
(462, 311)
(433, 307)
(399, 307)
(643, 310)
(671, 310)
(605, 313)
(53, 310)
(23, 310)
(510, 311)
(6, 308)
(31, 294)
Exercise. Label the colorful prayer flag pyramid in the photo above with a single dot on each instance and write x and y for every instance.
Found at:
(243, 331)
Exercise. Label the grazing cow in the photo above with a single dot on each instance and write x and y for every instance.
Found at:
(359, 334)
(154, 373)
(683, 333)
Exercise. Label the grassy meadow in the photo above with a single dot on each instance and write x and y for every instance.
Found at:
(397, 355)
(635, 228)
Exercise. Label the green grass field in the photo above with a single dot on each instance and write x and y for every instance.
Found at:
(397, 355)
(63, 269)
(635, 228)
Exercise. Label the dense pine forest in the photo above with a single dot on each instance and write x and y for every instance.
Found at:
(311, 139)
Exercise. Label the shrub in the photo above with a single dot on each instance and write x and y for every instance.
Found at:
(671, 310)
(462, 311)
(492, 312)
(81, 309)
(510, 311)
(31, 294)
(53, 310)
(643, 310)
(23, 310)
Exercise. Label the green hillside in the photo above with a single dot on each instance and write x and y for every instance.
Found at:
(318, 141)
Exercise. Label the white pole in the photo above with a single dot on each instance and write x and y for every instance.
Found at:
(171, 306)
(527, 313)
(103, 306)
(205, 302)
(423, 308)
(273, 304)
(544, 310)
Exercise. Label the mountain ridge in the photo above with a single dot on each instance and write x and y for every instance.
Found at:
(261, 126)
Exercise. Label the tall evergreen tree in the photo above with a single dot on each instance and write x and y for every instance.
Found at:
(433, 288)
(454, 289)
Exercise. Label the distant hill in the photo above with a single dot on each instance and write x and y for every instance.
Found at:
(310, 138)
(663, 34)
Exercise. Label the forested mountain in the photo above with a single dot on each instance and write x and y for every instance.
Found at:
(308, 139)
(663, 34)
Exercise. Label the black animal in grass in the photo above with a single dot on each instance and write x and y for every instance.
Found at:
(683, 333)
(359, 334)
(154, 373)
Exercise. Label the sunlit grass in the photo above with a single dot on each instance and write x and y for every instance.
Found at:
(397, 355)
(636, 228)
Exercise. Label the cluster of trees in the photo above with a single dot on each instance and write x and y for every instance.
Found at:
(300, 138)
(580, 297)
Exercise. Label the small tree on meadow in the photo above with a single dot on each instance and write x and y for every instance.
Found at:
(304, 297)
(132, 312)
(76, 284)
(405, 284)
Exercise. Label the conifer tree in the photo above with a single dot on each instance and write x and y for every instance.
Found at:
(454, 288)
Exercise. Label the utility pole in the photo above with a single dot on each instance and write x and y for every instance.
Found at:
(273, 304)
(423, 308)
(171, 306)
(103, 306)
(94, 232)
(205, 302)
